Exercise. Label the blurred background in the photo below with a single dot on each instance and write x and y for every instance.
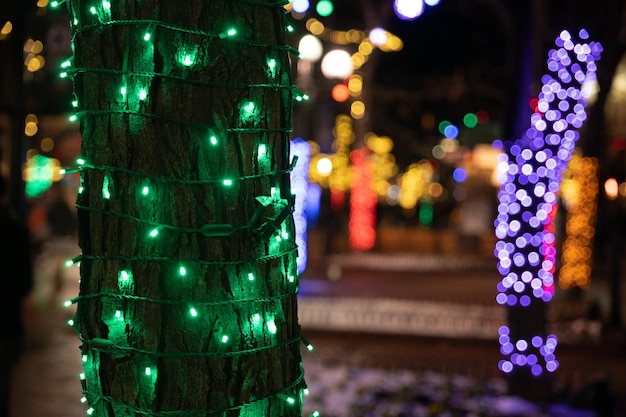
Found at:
(403, 112)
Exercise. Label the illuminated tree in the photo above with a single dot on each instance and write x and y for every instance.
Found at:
(530, 173)
(187, 302)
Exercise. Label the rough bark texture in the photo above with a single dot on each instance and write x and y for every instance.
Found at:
(162, 142)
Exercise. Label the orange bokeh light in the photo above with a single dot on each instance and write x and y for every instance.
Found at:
(340, 93)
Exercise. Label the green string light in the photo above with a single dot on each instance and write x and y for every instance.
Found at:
(222, 303)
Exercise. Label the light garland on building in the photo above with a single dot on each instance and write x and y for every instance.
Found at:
(530, 174)
(231, 307)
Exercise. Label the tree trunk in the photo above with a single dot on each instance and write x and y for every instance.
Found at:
(187, 303)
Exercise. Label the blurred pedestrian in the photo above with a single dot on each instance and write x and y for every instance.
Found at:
(16, 281)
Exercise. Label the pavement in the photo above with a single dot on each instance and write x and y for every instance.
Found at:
(395, 312)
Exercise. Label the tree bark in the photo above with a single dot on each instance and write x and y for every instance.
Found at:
(200, 319)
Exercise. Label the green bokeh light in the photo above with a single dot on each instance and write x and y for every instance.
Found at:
(442, 125)
(324, 8)
(470, 120)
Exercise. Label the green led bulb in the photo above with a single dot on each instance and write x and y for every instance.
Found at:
(143, 94)
(154, 233)
(251, 276)
(106, 194)
(93, 10)
(213, 140)
(182, 271)
(227, 182)
(225, 339)
(261, 151)
(271, 326)
(147, 36)
(145, 190)
(148, 371)
(193, 312)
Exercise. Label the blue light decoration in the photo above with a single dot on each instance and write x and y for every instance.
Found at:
(313, 203)
(300, 149)
(530, 174)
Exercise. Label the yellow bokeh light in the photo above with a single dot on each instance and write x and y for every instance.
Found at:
(47, 144)
(31, 118)
(355, 36)
(449, 145)
(42, 3)
(6, 29)
(358, 59)
(357, 109)
(36, 47)
(35, 63)
(365, 47)
(394, 43)
(28, 45)
(355, 84)
(31, 129)
(315, 27)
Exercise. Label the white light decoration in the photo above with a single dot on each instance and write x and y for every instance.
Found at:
(337, 64)
(310, 48)
(378, 36)
(300, 6)
(408, 9)
(299, 187)
(324, 166)
(530, 173)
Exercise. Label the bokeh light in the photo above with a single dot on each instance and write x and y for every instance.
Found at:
(611, 188)
(324, 8)
(340, 93)
(378, 36)
(310, 48)
(300, 6)
(337, 64)
(408, 9)
(470, 120)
